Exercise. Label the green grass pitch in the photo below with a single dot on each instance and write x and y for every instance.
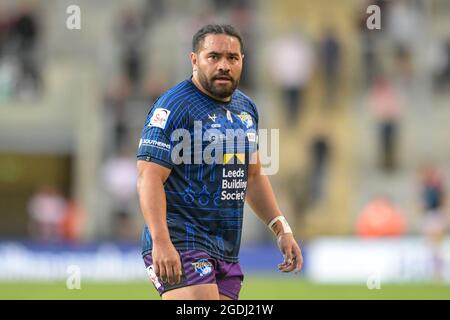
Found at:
(255, 287)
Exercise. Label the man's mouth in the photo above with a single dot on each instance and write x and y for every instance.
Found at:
(222, 78)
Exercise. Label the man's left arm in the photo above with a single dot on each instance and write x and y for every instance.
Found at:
(262, 200)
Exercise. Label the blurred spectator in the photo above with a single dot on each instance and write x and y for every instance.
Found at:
(8, 65)
(432, 188)
(435, 221)
(20, 74)
(404, 26)
(4, 29)
(9, 72)
(370, 57)
(72, 222)
(386, 109)
(115, 105)
(153, 11)
(297, 187)
(119, 179)
(440, 63)
(330, 48)
(370, 39)
(320, 155)
(403, 23)
(130, 35)
(46, 208)
(404, 66)
(25, 34)
(380, 218)
(292, 65)
(242, 18)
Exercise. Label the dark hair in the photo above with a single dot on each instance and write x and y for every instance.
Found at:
(215, 29)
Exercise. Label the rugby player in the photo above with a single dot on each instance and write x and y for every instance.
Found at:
(193, 209)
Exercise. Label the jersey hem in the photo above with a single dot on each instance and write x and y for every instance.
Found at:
(214, 255)
(155, 160)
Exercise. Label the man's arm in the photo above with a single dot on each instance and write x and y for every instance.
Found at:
(261, 198)
(152, 198)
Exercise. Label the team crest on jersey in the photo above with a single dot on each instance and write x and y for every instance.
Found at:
(246, 119)
(203, 267)
(159, 118)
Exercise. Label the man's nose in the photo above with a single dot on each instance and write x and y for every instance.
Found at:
(223, 65)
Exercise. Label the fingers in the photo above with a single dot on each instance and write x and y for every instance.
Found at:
(283, 266)
(170, 275)
(287, 265)
(167, 264)
(162, 273)
(293, 259)
(298, 261)
(170, 271)
(177, 273)
(156, 269)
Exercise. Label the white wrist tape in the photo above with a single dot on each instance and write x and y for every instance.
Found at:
(279, 228)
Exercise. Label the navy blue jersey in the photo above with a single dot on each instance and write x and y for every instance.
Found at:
(208, 145)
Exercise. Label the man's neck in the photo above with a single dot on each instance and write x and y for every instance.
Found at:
(200, 87)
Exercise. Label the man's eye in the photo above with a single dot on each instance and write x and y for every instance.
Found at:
(213, 57)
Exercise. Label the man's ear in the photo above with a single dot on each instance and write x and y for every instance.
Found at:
(194, 61)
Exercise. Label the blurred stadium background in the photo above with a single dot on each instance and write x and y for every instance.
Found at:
(364, 142)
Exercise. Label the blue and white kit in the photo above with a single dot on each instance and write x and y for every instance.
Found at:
(205, 199)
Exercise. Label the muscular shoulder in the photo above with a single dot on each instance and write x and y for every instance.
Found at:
(172, 107)
(177, 96)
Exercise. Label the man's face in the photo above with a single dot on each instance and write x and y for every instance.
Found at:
(218, 65)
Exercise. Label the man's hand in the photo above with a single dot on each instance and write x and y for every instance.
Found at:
(293, 259)
(166, 262)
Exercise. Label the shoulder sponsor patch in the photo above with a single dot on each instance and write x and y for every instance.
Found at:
(159, 118)
(154, 143)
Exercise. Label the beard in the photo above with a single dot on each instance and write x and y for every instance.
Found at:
(220, 91)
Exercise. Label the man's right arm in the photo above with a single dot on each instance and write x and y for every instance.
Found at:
(152, 198)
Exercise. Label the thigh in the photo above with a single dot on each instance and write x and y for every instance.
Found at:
(207, 291)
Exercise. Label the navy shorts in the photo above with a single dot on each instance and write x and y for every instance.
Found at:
(201, 268)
